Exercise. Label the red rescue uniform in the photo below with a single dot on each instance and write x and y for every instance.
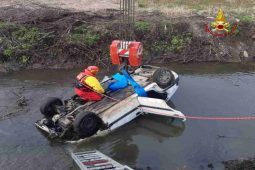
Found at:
(88, 87)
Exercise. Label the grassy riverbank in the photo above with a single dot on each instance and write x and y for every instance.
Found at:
(39, 36)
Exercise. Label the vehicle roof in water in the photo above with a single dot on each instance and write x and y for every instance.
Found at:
(120, 95)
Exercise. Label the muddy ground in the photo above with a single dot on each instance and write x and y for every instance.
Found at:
(39, 36)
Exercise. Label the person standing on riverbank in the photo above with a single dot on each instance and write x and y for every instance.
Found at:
(87, 86)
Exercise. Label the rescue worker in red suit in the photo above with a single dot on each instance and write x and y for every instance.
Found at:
(87, 86)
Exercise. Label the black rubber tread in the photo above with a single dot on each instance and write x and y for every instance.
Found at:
(86, 124)
(48, 108)
(158, 73)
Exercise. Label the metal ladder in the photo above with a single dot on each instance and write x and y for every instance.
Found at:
(95, 160)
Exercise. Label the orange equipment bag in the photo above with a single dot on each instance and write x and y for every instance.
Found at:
(126, 51)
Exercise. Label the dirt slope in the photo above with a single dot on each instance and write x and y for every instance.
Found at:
(75, 5)
(66, 34)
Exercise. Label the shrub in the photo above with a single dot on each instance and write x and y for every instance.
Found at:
(142, 26)
(81, 34)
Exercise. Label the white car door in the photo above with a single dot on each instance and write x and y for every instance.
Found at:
(158, 107)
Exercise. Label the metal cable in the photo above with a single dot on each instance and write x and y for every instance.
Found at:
(120, 25)
(127, 12)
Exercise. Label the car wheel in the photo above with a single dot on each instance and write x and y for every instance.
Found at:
(48, 108)
(86, 124)
(163, 77)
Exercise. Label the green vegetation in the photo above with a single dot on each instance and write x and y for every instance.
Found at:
(142, 26)
(91, 38)
(246, 18)
(82, 34)
(24, 59)
(17, 41)
(162, 38)
(8, 52)
(27, 36)
(175, 44)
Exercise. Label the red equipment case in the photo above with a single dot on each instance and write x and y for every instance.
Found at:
(130, 51)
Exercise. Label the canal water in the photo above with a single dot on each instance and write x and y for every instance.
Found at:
(149, 142)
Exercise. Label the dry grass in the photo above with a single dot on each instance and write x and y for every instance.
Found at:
(203, 7)
(233, 3)
(74, 5)
(175, 8)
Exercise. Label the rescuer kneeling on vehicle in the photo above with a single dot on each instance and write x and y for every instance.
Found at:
(87, 86)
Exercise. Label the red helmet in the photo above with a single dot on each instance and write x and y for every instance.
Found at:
(91, 70)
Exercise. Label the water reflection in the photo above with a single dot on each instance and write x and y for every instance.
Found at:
(120, 144)
(161, 128)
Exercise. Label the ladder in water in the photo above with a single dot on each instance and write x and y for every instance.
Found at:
(95, 160)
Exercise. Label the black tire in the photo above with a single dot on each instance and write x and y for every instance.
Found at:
(86, 124)
(48, 108)
(163, 77)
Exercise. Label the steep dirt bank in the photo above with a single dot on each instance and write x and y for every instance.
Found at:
(44, 37)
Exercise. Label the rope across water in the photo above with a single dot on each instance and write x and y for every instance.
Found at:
(221, 118)
(216, 118)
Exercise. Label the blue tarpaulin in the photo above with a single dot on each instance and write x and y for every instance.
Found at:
(121, 81)
(138, 89)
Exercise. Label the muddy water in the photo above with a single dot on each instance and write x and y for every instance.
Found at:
(147, 142)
